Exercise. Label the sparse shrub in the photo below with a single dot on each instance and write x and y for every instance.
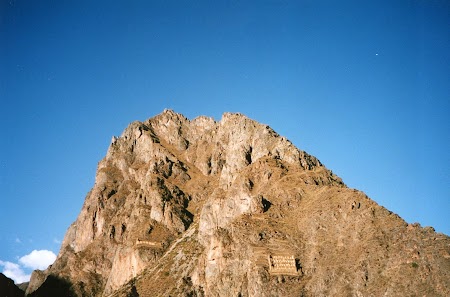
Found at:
(414, 265)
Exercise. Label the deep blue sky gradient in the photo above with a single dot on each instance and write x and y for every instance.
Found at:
(363, 86)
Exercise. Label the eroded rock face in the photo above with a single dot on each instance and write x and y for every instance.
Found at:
(195, 208)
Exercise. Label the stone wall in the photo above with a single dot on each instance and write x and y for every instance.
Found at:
(282, 265)
(149, 243)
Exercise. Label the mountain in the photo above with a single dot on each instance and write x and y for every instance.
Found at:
(230, 208)
(8, 288)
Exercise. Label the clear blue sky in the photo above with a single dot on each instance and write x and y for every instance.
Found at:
(362, 85)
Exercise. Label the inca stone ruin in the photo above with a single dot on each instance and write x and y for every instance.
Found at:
(282, 265)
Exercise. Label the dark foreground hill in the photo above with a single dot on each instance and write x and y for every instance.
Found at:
(8, 288)
(230, 208)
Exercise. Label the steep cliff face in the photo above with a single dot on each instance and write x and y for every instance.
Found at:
(230, 208)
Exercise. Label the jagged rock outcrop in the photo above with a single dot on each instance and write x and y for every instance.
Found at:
(230, 208)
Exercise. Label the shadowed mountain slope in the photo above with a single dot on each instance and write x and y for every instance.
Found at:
(8, 288)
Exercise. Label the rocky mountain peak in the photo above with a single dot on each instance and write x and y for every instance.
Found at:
(230, 208)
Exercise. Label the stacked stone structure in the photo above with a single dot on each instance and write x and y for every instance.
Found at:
(282, 265)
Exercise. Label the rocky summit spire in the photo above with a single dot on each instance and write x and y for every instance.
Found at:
(230, 208)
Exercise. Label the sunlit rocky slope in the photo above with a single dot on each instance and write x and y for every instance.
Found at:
(230, 208)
